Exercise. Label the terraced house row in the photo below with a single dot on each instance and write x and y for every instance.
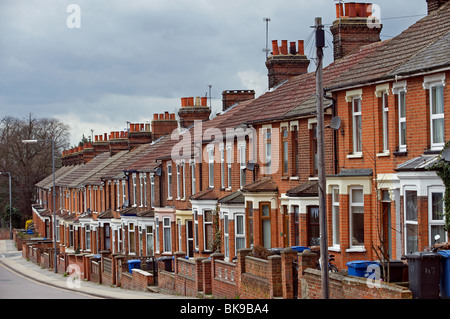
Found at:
(248, 177)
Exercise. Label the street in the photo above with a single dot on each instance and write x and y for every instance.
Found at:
(15, 286)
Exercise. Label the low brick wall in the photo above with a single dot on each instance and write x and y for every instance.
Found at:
(224, 284)
(166, 281)
(138, 280)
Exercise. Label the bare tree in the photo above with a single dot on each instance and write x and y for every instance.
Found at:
(28, 164)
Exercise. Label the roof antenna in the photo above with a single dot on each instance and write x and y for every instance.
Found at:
(266, 49)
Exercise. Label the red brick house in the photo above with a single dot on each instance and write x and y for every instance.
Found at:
(393, 106)
(248, 177)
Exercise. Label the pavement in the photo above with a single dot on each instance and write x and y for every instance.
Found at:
(12, 259)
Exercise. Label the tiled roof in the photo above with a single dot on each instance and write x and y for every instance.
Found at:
(409, 51)
(206, 194)
(234, 198)
(308, 189)
(265, 184)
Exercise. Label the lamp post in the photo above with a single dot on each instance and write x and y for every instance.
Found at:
(10, 218)
(53, 192)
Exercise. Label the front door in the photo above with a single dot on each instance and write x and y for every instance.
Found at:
(190, 238)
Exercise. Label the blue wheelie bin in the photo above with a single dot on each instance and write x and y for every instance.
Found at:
(445, 274)
(358, 268)
(300, 249)
(134, 264)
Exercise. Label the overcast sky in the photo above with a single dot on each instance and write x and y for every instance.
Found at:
(131, 59)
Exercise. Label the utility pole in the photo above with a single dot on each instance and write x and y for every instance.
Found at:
(320, 44)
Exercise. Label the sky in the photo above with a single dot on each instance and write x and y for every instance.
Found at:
(104, 63)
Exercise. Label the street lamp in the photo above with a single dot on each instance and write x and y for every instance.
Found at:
(53, 192)
(10, 219)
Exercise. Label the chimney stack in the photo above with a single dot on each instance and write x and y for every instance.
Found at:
(231, 97)
(286, 62)
(353, 28)
(139, 133)
(193, 109)
(163, 124)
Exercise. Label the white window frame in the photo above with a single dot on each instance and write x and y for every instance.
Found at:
(242, 164)
(87, 237)
(157, 243)
(132, 230)
(385, 119)
(211, 166)
(435, 222)
(152, 190)
(196, 245)
(268, 150)
(118, 195)
(335, 216)
(237, 235)
(357, 130)
(437, 116)
(351, 206)
(408, 221)
(205, 224)
(133, 177)
(145, 190)
(178, 168)
(402, 120)
(167, 244)
(229, 162)
(226, 235)
(222, 167)
(169, 181)
(193, 178)
(141, 187)
(149, 239)
(124, 193)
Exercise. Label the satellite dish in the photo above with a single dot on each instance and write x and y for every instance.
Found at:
(335, 123)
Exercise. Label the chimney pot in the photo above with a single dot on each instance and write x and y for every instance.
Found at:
(351, 9)
(190, 101)
(161, 116)
(122, 134)
(155, 117)
(166, 115)
(301, 47)
(293, 49)
(275, 47)
(184, 101)
(172, 116)
(284, 49)
(106, 137)
(96, 138)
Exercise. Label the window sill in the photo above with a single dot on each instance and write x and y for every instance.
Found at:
(336, 249)
(384, 154)
(356, 250)
(401, 153)
(315, 178)
(294, 178)
(355, 155)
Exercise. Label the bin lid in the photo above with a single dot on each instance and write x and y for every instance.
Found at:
(444, 253)
(360, 263)
(422, 255)
(300, 248)
(134, 261)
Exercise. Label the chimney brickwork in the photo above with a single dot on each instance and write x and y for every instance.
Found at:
(352, 28)
(433, 5)
(163, 124)
(231, 97)
(285, 62)
(193, 109)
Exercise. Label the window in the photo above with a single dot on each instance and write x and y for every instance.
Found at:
(402, 120)
(411, 222)
(266, 225)
(124, 194)
(169, 181)
(385, 119)
(268, 152)
(335, 215)
(437, 116)
(134, 190)
(141, 189)
(88, 236)
(118, 195)
(131, 238)
(178, 180)
(71, 236)
(208, 229)
(167, 236)
(149, 240)
(226, 235)
(240, 231)
(242, 165)
(211, 166)
(107, 229)
(222, 168)
(179, 235)
(157, 234)
(314, 149)
(295, 151)
(195, 229)
(57, 230)
(357, 125)
(436, 215)
(285, 151)
(356, 217)
(193, 177)
(296, 212)
(145, 190)
(229, 161)
(152, 190)
(250, 224)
